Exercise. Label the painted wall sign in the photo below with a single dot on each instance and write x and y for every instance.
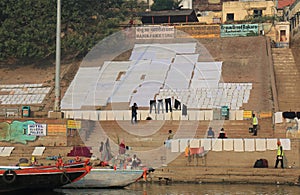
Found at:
(198, 31)
(37, 129)
(247, 114)
(239, 30)
(155, 32)
(73, 124)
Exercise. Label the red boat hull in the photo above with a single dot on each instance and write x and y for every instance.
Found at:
(39, 178)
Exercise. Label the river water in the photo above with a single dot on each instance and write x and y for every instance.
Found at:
(181, 189)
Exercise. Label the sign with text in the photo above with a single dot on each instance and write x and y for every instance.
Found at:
(73, 124)
(198, 31)
(247, 114)
(155, 32)
(239, 30)
(37, 129)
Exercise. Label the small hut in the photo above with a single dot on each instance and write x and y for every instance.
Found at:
(169, 16)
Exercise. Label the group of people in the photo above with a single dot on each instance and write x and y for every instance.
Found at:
(222, 134)
(169, 103)
(123, 158)
(279, 154)
(133, 161)
(211, 133)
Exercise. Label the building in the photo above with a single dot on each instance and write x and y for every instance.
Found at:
(169, 16)
(233, 11)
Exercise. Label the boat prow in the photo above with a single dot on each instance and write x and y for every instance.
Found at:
(14, 178)
(107, 178)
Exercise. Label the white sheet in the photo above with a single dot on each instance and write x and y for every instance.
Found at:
(227, 144)
(271, 144)
(249, 145)
(7, 151)
(183, 144)
(175, 145)
(194, 143)
(38, 151)
(260, 144)
(217, 145)
(286, 144)
(206, 143)
(278, 117)
(238, 145)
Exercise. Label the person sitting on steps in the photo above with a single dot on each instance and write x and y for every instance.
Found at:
(210, 133)
(222, 134)
(135, 161)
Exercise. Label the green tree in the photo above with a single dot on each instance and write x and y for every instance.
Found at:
(28, 27)
(159, 5)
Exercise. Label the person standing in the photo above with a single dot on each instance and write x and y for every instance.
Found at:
(169, 139)
(170, 135)
(254, 124)
(134, 108)
(101, 149)
(279, 157)
(122, 148)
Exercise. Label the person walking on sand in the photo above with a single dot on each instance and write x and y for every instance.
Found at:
(279, 157)
(134, 108)
(255, 124)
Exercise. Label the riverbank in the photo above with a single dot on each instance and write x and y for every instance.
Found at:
(221, 164)
(229, 175)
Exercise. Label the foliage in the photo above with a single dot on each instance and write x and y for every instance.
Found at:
(28, 27)
(159, 5)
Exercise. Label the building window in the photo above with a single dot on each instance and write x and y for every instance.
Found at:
(257, 13)
(283, 35)
(230, 17)
(217, 20)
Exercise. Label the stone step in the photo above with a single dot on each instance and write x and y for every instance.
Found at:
(234, 129)
(283, 60)
(286, 75)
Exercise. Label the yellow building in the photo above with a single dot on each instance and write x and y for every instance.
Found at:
(210, 17)
(238, 11)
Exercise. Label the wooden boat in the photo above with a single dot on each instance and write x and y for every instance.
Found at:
(107, 178)
(14, 178)
(68, 165)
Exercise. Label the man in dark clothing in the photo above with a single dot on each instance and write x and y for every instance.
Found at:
(134, 108)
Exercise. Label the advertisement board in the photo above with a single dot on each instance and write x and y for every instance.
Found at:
(247, 114)
(73, 124)
(37, 129)
(198, 31)
(239, 30)
(155, 32)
